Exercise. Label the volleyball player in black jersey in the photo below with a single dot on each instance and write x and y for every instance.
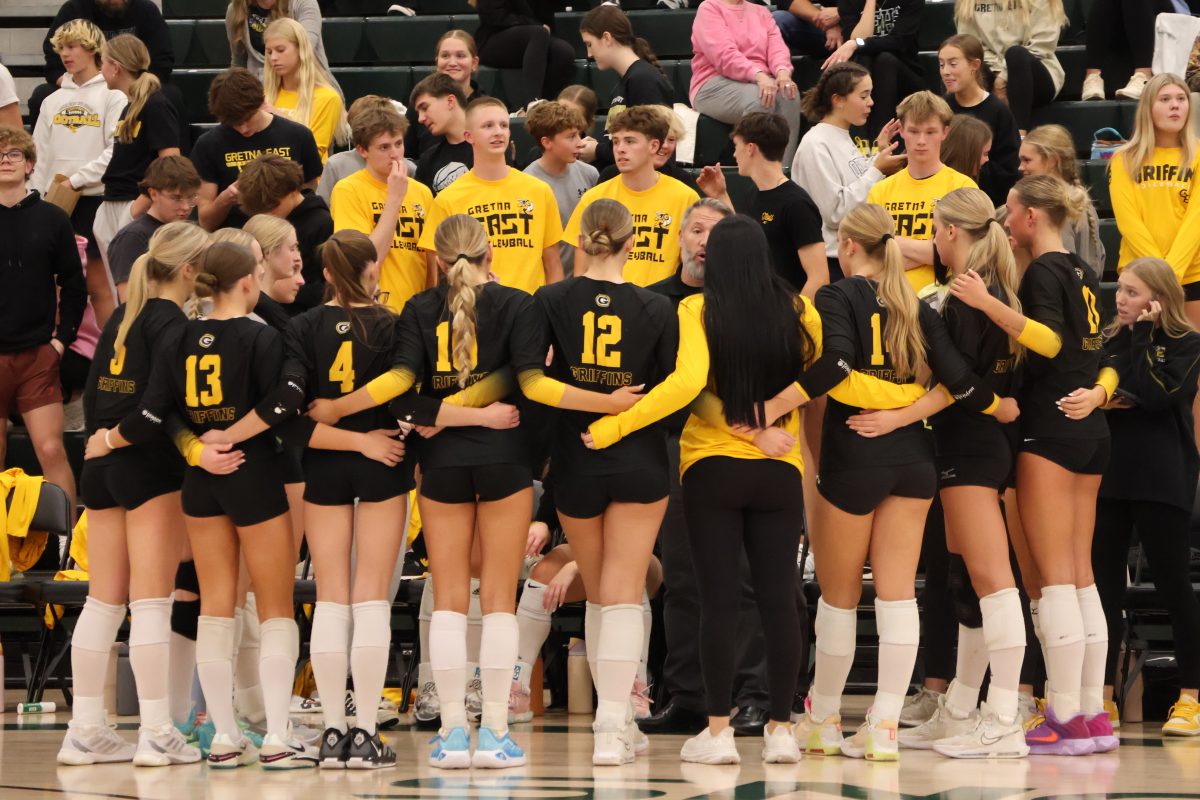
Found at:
(1062, 454)
(607, 333)
(450, 337)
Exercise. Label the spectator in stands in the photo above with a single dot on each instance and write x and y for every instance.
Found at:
(557, 129)
(246, 21)
(1151, 180)
(828, 164)
(74, 141)
(284, 273)
(960, 62)
(382, 202)
(610, 41)
(658, 202)
(1049, 150)
(584, 100)
(885, 44)
(664, 160)
(968, 146)
(788, 215)
(511, 37)
(741, 65)
(10, 105)
(40, 308)
(456, 56)
(809, 29)
(297, 88)
(1018, 42)
(348, 162)
(272, 184)
(1150, 483)
(148, 129)
(245, 131)
(171, 186)
(1133, 21)
(441, 107)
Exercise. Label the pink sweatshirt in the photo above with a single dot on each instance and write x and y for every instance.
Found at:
(735, 42)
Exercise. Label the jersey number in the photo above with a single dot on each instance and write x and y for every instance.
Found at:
(444, 363)
(118, 362)
(1089, 300)
(210, 368)
(597, 349)
(876, 341)
(342, 369)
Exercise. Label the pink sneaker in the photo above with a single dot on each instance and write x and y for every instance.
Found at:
(1100, 727)
(1047, 736)
(640, 698)
(518, 704)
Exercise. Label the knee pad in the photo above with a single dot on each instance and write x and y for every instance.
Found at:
(186, 578)
(966, 601)
(898, 622)
(280, 639)
(214, 640)
(98, 625)
(150, 622)
(1095, 625)
(1061, 620)
(426, 611)
(837, 629)
(530, 604)
(330, 629)
(372, 624)
(184, 617)
(1003, 623)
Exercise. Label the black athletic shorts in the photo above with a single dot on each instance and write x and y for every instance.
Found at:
(586, 496)
(252, 495)
(1081, 456)
(1191, 291)
(338, 478)
(483, 483)
(994, 472)
(290, 460)
(83, 218)
(130, 476)
(860, 491)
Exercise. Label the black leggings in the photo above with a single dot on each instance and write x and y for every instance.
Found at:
(758, 504)
(893, 80)
(1163, 531)
(546, 62)
(1134, 17)
(1029, 85)
(939, 626)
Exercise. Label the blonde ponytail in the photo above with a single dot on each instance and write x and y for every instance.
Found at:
(461, 243)
(171, 246)
(130, 53)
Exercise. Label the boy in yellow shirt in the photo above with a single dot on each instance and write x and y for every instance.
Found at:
(910, 194)
(657, 202)
(381, 201)
(518, 211)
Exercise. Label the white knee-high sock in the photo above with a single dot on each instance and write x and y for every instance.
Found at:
(328, 649)
(1004, 633)
(448, 663)
(91, 644)
(182, 671)
(619, 649)
(647, 628)
(150, 658)
(962, 696)
(277, 668)
(533, 622)
(369, 658)
(837, 630)
(497, 656)
(1063, 641)
(474, 632)
(899, 625)
(424, 615)
(1095, 650)
(214, 664)
(247, 690)
(592, 621)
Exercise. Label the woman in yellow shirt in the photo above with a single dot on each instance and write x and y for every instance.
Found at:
(297, 87)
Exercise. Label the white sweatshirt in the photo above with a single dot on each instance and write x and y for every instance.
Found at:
(836, 175)
(74, 135)
(998, 26)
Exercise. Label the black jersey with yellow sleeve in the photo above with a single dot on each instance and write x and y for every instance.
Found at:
(607, 335)
(1060, 292)
(508, 332)
(117, 380)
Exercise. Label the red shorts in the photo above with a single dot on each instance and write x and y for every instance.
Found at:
(29, 380)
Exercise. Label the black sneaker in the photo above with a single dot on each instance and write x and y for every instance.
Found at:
(368, 751)
(335, 746)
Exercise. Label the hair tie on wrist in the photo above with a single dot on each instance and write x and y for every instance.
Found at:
(107, 442)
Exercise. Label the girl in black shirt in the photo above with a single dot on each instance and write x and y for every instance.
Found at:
(511, 37)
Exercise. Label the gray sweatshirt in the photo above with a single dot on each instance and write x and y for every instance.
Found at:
(836, 175)
(999, 27)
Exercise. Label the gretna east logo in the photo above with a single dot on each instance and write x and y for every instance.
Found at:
(767, 216)
(418, 211)
(525, 205)
(603, 300)
(343, 327)
(206, 341)
(663, 219)
(76, 116)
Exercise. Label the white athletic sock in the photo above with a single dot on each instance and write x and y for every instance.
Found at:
(214, 664)
(328, 650)
(369, 658)
(533, 622)
(277, 668)
(647, 629)
(150, 657)
(592, 621)
(181, 673)
(899, 625)
(91, 644)
(497, 655)
(474, 632)
(837, 630)
(247, 691)
(616, 663)
(1063, 641)
(1095, 650)
(424, 673)
(1004, 634)
(448, 663)
(962, 696)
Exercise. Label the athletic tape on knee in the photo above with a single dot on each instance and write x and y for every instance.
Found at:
(426, 611)
(280, 639)
(150, 622)
(97, 627)
(1061, 619)
(530, 604)
(1003, 623)
(836, 628)
(186, 578)
(498, 644)
(214, 639)
(898, 622)
(330, 628)
(184, 616)
(966, 601)
(372, 624)
(621, 634)
(1095, 625)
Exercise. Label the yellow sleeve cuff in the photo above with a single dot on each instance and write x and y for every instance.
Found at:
(1040, 339)
(492, 389)
(189, 446)
(540, 389)
(992, 406)
(866, 391)
(605, 432)
(1108, 380)
(390, 385)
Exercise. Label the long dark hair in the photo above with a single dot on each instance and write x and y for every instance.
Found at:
(751, 321)
(612, 20)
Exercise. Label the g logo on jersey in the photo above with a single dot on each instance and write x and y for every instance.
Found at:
(603, 300)
(207, 340)
(342, 327)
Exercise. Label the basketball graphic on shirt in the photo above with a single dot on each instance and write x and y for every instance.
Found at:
(448, 175)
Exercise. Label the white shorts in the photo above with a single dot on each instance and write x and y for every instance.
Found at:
(110, 218)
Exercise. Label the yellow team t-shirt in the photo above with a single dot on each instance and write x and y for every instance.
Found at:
(1153, 213)
(657, 222)
(356, 203)
(322, 118)
(910, 202)
(519, 214)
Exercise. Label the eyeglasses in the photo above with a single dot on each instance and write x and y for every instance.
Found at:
(15, 156)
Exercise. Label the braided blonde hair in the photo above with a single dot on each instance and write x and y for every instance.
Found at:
(461, 243)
